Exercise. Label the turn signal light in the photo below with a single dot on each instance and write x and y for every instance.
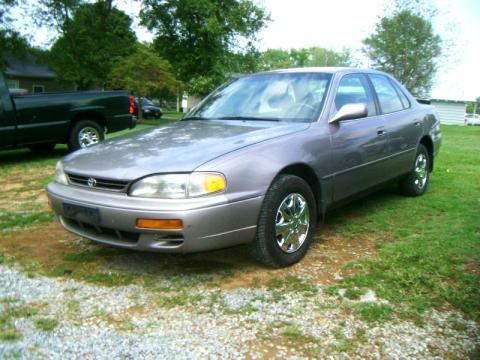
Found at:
(160, 224)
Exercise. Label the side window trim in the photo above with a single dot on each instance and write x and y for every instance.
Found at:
(401, 95)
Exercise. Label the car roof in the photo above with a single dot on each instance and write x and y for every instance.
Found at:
(323, 69)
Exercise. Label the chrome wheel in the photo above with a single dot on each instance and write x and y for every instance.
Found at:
(88, 136)
(292, 223)
(421, 171)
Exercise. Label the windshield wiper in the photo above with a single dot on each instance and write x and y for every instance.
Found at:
(247, 118)
(194, 118)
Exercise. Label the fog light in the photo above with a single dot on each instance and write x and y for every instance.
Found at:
(160, 224)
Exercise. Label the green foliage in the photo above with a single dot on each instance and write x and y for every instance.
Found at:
(143, 72)
(11, 42)
(92, 41)
(199, 37)
(46, 324)
(474, 107)
(405, 46)
(273, 59)
(15, 219)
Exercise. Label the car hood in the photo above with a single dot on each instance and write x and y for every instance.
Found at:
(179, 147)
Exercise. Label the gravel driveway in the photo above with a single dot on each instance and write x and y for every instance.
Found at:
(132, 322)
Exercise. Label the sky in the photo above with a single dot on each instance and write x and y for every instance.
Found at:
(339, 24)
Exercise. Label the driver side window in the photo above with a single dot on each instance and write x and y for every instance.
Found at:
(353, 89)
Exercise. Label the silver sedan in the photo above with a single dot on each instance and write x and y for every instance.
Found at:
(258, 162)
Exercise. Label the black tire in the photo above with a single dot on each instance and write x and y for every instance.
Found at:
(42, 148)
(416, 182)
(266, 248)
(74, 142)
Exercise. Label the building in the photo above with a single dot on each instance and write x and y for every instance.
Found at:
(30, 75)
(451, 112)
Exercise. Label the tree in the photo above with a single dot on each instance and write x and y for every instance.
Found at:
(272, 59)
(474, 107)
(405, 46)
(144, 73)
(11, 42)
(198, 37)
(92, 41)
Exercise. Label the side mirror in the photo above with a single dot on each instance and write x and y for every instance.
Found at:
(350, 111)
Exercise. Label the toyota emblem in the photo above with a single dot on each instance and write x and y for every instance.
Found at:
(91, 182)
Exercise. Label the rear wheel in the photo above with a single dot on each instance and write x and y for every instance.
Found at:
(286, 223)
(85, 133)
(416, 182)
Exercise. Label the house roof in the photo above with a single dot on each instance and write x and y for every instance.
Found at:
(27, 67)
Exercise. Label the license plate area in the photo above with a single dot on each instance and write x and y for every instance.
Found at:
(86, 214)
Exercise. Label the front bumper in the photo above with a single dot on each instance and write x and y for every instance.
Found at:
(208, 223)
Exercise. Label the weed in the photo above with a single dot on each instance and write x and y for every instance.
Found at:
(46, 324)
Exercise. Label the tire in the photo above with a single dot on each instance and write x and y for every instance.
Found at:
(416, 182)
(271, 247)
(42, 148)
(85, 133)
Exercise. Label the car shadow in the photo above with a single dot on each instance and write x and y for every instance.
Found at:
(25, 156)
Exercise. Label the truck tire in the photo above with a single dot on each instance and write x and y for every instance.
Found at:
(85, 133)
(286, 223)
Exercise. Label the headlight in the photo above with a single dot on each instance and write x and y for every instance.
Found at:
(60, 176)
(179, 186)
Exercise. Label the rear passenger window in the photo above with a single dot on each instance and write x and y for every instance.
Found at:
(387, 95)
(405, 101)
(353, 89)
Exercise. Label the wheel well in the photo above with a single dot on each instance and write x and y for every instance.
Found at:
(306, 173)
(428, 143)
(93, 116)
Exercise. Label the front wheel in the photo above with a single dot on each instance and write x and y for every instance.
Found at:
(416, 182)
(286, 223)
(85, 133)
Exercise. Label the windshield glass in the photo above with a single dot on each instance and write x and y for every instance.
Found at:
(270, 96)
(146, 102)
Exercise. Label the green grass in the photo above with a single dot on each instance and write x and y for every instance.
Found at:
(45, 324)
(8, 332)
(15, 219)
(434, 259)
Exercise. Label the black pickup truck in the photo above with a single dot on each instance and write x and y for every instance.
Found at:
(79, 119)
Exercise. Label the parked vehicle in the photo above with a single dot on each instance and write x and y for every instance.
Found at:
(259, 161)
(78, 119)
(149, 109)
(472, 119)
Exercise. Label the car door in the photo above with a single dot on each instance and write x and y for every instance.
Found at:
(359, 146)
(402, 124)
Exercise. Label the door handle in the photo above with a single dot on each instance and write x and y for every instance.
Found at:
(416, 122)
(381, 132)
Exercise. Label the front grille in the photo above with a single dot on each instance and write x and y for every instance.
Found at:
(101, 232)
(98, 183)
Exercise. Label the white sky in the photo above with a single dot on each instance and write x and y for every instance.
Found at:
(338, 24)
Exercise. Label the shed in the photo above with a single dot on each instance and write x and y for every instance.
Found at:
(451, 112)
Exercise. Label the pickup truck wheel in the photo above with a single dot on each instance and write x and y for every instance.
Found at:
(85, 133)
(416, 182)
(286, 223)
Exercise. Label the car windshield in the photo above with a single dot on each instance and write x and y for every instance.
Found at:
(147, 102)
(269, 96)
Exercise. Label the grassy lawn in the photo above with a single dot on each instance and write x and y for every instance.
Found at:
(428, 254)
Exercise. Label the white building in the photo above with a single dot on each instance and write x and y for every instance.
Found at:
(452, 112)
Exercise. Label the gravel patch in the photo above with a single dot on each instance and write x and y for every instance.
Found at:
(132, 322)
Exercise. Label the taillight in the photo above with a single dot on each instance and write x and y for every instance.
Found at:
(131, 107)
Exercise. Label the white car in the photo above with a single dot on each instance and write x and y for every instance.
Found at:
(472, 119)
